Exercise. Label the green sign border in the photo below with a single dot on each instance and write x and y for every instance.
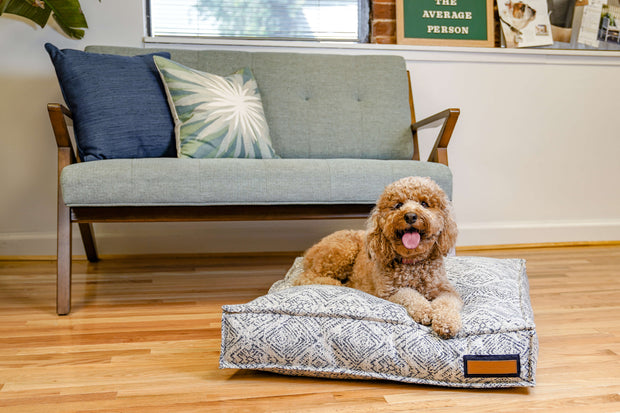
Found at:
(416, 22)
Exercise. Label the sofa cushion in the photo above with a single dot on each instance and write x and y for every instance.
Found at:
(118, 104)
(215, 116)
(230, 181)
(340, 332)
(319, 105)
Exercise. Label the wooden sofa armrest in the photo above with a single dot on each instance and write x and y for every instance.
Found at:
(439, 153)
(58, 117)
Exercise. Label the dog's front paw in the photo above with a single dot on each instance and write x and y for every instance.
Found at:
(447, 326)
(418, 307)
(446, 318)
(421, 312)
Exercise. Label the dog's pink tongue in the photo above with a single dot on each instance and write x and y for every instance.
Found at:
(411, 240)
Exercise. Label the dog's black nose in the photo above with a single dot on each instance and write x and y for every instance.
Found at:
(411, 218)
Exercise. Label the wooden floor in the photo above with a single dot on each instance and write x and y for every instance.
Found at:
(144, 335)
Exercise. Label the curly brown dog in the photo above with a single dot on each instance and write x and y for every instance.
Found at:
(399, 257)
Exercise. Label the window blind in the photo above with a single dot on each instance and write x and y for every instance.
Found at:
(336, 20)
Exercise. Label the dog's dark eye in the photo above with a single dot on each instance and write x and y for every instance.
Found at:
(398, 205)
(424, 204)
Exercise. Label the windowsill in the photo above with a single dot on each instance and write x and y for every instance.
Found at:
(427, 53)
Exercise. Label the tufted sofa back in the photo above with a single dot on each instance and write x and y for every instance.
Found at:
(318, 105)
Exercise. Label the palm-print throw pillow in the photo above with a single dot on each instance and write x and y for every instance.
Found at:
(215, 116)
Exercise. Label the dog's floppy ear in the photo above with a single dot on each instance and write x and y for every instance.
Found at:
(376, 244)
(447, 238)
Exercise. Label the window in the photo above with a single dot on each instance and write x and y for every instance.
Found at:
(335, 20)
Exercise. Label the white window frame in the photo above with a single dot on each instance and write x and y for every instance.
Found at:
(155, 33)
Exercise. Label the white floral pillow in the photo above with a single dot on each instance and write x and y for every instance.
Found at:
(215, 116)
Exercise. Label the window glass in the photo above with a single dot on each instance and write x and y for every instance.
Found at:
(337, 20)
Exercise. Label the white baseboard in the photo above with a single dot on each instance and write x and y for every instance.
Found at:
(183, 237)
(32, 243)
(503, 233)
(274, 236)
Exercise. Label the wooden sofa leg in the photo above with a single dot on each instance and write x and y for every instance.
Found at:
(63, 265)
(88, 238)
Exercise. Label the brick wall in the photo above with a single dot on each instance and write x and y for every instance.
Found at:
(383, 21)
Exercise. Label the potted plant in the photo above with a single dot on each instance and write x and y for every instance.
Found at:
(67, 13)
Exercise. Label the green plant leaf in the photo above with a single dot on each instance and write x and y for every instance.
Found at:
(67, 13)
(27, 10)
(69, 31)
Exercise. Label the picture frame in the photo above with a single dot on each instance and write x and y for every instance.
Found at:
(468, 23)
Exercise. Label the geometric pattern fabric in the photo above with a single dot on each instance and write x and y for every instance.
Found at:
(340, 332)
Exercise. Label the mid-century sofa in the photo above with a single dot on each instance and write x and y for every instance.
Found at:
(342, 127)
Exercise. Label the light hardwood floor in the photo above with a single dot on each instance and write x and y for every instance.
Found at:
(144, 335)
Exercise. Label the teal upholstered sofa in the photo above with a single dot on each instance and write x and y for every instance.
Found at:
(343, 127)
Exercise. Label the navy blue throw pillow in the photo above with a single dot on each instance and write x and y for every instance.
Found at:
(119, 106)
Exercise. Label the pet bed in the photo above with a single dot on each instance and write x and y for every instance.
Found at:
(339, 332)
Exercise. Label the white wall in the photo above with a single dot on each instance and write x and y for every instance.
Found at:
(535, 153)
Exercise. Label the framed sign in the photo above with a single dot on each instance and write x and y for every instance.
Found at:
(445, 22)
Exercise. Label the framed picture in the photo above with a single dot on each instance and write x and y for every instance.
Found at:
(445, 22)
(525, 23)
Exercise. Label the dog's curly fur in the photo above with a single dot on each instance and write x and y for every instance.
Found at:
(378, 262)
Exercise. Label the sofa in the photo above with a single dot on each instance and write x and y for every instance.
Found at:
(341, 127)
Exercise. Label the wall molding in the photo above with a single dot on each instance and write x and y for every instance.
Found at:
(411, 53)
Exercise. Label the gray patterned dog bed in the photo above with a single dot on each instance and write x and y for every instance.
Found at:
(339, 332)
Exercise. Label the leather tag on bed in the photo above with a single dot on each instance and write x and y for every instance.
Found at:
(507, 365)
